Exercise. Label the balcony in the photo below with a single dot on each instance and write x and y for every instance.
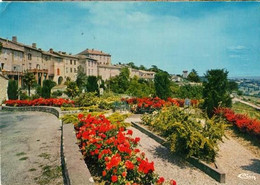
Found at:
(38, 70)
(12, 73)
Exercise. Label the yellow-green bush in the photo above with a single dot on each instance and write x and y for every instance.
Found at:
(187, 136)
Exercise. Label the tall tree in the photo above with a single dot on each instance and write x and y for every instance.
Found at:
(46, 88)
(162, 85)
(216, 91)
(92, 84)
(81, 78)
(193, 76)
(12, 90)
(29, 80)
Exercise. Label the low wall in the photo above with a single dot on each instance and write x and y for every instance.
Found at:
(216, 174)
(53, 110)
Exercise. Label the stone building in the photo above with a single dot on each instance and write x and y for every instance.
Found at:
(101, 57)
(3, 89)
(17, 58)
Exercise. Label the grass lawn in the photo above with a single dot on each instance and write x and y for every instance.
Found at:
(245, 109)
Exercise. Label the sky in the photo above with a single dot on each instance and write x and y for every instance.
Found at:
(173, 36)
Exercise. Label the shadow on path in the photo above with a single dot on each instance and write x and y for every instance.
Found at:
(254, 166)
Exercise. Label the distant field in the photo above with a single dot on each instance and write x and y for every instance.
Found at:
(245, 109)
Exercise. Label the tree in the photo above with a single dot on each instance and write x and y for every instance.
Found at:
(81, 78)
(188, 91)
(216, 91)
(232, 86)
(29, 80)
(140, 88)
(162, 85)
(46, 88)
(193, 76)
(1, 47)
(120, 83)
(92, 85)
(12, 90)
(72, 89)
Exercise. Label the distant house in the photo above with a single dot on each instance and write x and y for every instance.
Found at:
(3, 89)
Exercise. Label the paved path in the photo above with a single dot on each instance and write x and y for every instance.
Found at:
(247, 103)
(30, 148)
(233, 158)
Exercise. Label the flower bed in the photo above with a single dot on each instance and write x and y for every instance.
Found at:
(141, 105)
(40, 102)
(114, 152)
(243, 122)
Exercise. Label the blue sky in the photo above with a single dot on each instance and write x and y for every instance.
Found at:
(173, 36)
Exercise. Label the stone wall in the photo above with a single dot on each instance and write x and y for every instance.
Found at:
(3, 89)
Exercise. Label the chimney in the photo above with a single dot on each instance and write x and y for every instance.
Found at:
(101, 52)
(51, 50)
(92, 49)
(64, 53)
(14, 39)
(34, 45)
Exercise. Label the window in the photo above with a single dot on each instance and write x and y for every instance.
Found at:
(70, 62)
(29, 56)
(71, 70)
(37, 66)
(91, 71)
(88, 63)
(67, 70)
(58, 71)
(74, 62)
(92, 63)
(30, 65)
(2, 66)
(75, 70)
(88, 72)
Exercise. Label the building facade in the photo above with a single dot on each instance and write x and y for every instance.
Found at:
(17, 58)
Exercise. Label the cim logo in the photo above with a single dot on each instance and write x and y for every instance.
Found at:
(246, 176)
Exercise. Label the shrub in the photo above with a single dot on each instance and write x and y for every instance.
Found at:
(57, 93)
(243, 122)
(12, 90)
(46, 88)
(39, 102)
(187, 136)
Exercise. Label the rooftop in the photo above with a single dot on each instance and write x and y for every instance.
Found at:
(93, 52)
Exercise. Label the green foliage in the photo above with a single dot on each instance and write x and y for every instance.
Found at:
(119, 119)
(216, 91)
(29, 81)
(120, 83)
(162, 85)
(12, 90)
(46, 88)
(56, 94)
(81, 78)
(24, 96)
(191, 92)
(187, 136)
(38, 90)
(72, 90)
(193, 76)
(92, 85)
(86, 99)
(140, 87)
(232, 86)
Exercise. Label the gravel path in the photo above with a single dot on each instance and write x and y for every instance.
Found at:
(30, 148)
(241, 166)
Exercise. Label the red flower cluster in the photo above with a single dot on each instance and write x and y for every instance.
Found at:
(243, 122)
(114, 150)
(39, 102)
(152, 104)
